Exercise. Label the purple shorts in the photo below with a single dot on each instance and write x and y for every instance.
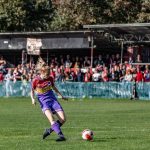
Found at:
(53, 106)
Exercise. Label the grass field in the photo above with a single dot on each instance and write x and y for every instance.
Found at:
(117, 125)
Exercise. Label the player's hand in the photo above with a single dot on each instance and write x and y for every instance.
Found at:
(33, 102)
(65, 98)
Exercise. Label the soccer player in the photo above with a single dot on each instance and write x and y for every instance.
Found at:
(44, 85)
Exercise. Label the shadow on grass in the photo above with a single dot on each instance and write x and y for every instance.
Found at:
(104, 139)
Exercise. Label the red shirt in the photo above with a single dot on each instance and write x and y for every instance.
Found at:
(43, 88)
(87, 77)
(1, 77)
(139, 77)
(42, 83)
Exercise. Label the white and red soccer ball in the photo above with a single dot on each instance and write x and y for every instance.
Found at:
(87, 135)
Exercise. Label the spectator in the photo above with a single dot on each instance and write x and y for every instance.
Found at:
(105, 75)
(68, 62)
(88, 76)
(62, 75)
(52, 73)
(86, 62)
(111, 75)
(52, 63)
(2, 62)
(57, 73)
(107, 60)
(16, 75)
(68, 77)
(112, 59)
(122, 71)
(99, 61)
(77, 63)
(106, 70)
(1, 77)
(96, 77)
(130, 60)
(56, 61)
(20, 69)
(27, 67)
(24, 79)
(62, 62)
(128, 77)
(118, 59)
(81, 62)
(9, 83)
(79, 75)
(138, 60)
(30, 77)
(147, 75)
(139, 75)
(116, 74)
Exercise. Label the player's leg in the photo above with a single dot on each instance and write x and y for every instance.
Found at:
(49, 116)
(61, 117)
(61, 120)
(55, 125)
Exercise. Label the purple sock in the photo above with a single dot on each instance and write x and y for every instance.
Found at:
(60, 124)
(56, 127)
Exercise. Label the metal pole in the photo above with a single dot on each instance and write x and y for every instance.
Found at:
(122, 51)
(47, 57)
(92, 42)
(23, 57)
(30, 61)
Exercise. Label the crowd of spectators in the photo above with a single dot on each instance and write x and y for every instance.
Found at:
(78, 69)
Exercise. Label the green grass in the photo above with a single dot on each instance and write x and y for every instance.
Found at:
(117, 125)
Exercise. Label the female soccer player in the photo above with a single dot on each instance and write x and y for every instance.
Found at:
(44, 85)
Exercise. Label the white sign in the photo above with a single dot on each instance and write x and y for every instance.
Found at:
(33, 46)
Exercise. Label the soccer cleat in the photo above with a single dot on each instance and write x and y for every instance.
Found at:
(46, 133)
(60, 139)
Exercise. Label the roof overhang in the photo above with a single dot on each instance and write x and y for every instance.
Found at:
(129, 33)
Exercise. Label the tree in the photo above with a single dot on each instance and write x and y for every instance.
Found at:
(72, 14)
(46, 15)
(11, 15)
(27, 15)
(144, 15)
(125, 11)
(39, 14)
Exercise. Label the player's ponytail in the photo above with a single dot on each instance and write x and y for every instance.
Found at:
(40, 63)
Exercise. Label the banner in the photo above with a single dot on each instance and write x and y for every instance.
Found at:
(33, 46)
(82, 89)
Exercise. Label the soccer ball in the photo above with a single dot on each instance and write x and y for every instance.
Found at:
(87, 135)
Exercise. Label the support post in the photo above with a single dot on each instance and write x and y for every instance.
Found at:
(92, 48)
(122, 50)
(47, 58)
(23, 58)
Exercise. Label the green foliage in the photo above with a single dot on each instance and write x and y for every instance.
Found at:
(11, 14)
(125, 11)
(144, 15)
(46, 15)
(27, 15)
(38, 14)
(72, 14)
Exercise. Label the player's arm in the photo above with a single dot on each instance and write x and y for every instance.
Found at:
(32, 97)
(58, 93)
(33, 85)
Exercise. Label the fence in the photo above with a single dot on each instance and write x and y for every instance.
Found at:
(82, 89)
